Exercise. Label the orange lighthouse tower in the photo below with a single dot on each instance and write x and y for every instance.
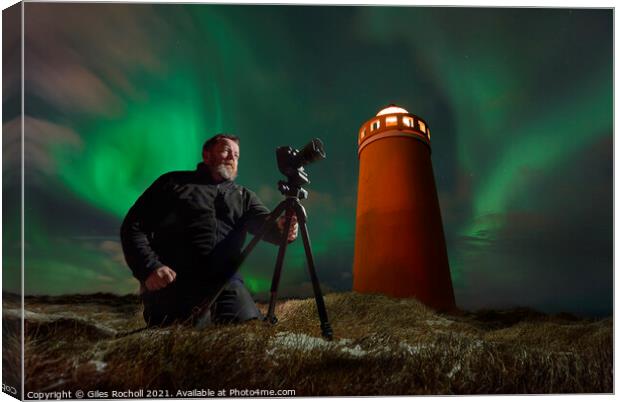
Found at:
(400, 248)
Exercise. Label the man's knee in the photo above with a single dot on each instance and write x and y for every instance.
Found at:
(234, 305)
(162, 307)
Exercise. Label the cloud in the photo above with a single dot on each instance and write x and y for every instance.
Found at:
(318, 201)
(114, 250)
(269, 195)
(61, 265)
(70, 86)
(40, 136)
(81, 57)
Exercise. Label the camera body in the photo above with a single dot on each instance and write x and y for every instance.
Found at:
(291, 161)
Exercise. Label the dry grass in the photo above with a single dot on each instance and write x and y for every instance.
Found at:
(382, 346)
(11, 347)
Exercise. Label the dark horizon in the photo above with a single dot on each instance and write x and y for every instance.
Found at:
(263, 298)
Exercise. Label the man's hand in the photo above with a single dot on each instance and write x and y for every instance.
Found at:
(160, 278)
(292, 233)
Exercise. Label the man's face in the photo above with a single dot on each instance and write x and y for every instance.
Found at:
(222, 159)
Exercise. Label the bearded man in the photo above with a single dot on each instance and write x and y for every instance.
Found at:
(183, 237)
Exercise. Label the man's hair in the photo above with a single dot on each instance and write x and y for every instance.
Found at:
(210, 143)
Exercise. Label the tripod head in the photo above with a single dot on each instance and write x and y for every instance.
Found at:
(289, 190)
(291, 163)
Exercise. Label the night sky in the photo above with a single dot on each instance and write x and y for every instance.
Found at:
(519, 102)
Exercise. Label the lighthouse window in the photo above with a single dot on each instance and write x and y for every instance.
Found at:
(375, 125)
(422, 126)
(391, 121)
(363, 133)
(428, 132)
(408, 121)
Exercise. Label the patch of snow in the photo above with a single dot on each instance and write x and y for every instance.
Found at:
(344, 341)
(99, 365)
(294, 341)
(29, 315)
(357, 351)
(412, 349)
(45, 318)
(456, 368)
(286, 341)
(300, 341)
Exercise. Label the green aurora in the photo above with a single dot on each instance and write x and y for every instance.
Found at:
(519, 102)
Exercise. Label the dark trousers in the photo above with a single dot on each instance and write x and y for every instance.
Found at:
(234, 304)
(176, 304)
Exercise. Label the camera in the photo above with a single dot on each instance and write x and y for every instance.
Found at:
(291, 161)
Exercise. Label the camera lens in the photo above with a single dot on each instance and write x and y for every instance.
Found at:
(311, 152)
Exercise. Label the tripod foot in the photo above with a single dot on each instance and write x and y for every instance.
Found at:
(326, 330)
(273, 320)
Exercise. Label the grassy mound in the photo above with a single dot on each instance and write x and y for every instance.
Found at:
(381, 346)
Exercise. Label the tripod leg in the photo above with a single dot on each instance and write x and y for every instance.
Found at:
(262, 231)
(278, 270)
(326, 328)
(205, 305)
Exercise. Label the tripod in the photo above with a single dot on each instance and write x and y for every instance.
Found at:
(289, 206)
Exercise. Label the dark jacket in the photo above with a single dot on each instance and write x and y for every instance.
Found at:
(196, 227)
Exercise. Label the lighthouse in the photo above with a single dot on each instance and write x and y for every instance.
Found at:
(400, 249)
